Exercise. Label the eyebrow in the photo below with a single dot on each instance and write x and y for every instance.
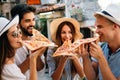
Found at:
(12, 31)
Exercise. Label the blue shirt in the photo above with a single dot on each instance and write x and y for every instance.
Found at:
(113, 60)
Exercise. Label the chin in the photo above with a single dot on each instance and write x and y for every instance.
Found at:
(102, 40)
(19, 45)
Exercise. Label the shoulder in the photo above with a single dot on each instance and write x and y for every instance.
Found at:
(11, 71)
(8, 68)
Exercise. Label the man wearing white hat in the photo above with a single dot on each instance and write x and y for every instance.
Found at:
(105, 61)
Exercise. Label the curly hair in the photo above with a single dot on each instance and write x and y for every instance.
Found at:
(22, 9)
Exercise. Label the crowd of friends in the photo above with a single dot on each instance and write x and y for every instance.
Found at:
(94, 61)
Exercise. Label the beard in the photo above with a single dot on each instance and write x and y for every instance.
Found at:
(25, 31)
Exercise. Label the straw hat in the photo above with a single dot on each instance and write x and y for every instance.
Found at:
(111, 12)
(5, 24)
(55, 23)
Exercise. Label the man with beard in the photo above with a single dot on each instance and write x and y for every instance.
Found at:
(26, 24)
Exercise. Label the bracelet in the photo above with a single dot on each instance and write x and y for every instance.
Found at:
(84, 78)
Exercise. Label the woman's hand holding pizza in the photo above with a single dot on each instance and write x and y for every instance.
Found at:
(38, 52)
(73, 57)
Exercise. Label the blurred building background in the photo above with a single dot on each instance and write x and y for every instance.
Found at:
(6, 5)
(48, 10)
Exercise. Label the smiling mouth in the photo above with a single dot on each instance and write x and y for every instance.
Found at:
(30, 28)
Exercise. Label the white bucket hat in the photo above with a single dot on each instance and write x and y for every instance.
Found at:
(5, 24)
(112, 12)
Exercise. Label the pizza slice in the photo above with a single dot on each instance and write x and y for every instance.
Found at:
(88, 40)
(38, 40)
(69, 49)
(64, 50)
(34, 44)
(39, 37)
(79, 42)
(63, 54)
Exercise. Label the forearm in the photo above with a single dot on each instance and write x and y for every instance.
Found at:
(104, 67)
(78, 67)
(25, 65)
(33, 70)
(59, 71)
(40, 64)
(88, 69)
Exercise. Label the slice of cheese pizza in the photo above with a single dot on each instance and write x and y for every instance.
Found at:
(64, 49)
(69, 48)
(34, 44)
(38, 36)
(38, 40)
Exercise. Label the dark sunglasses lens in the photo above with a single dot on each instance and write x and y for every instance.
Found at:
(15, 34)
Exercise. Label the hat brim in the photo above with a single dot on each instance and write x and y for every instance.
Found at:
(12, 22)
(55, 23)
(108, 17)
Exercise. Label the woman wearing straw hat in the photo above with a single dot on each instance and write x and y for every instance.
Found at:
(64, 67)
(10, 41)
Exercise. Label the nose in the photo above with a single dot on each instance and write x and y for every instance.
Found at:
(97, 30)
(32, 23)
(19, 34)
(67, 36)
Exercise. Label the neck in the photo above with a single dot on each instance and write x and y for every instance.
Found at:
(114, 45)
(24, 37)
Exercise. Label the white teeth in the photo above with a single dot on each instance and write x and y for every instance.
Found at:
(30, 28)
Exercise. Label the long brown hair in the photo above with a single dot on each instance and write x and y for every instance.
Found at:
(59, 40)
(6, 51)
(58, 32)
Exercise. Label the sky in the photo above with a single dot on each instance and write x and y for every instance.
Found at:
(104, 3)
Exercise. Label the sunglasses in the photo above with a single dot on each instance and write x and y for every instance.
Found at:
(16, 34)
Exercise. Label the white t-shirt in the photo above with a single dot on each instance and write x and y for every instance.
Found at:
(12, 72)
(21, 55)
